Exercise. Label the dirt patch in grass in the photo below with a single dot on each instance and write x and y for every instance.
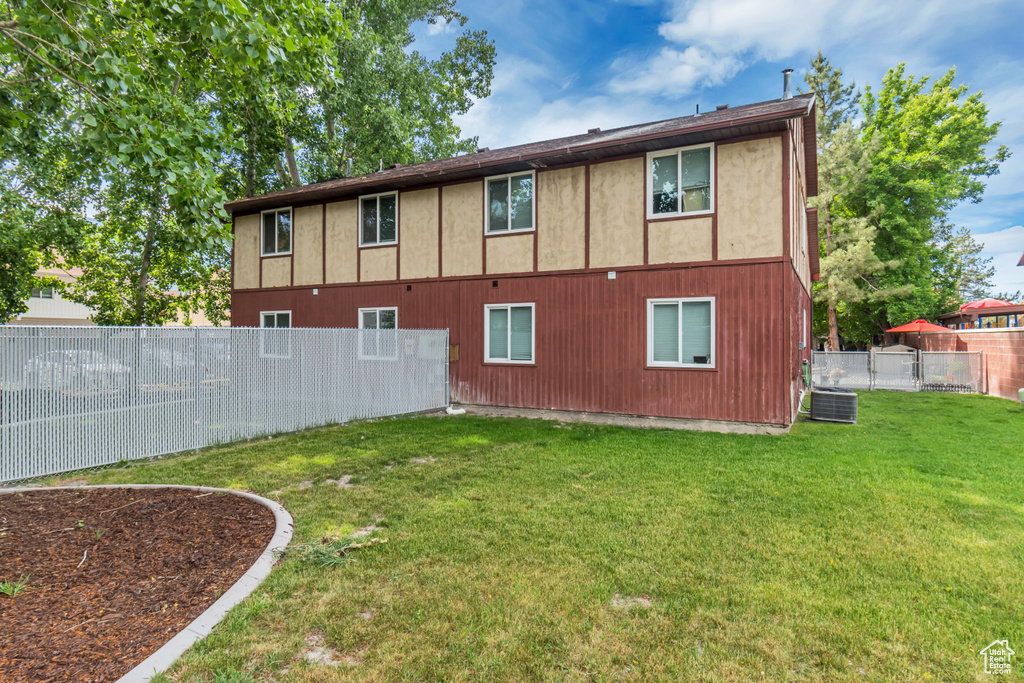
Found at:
(114, 574)
(635, 602)
(318, 652)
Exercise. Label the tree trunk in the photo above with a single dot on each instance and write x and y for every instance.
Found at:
(293, 167)
(142, 286)
(833, 329)
(281, 173)
(250, 179)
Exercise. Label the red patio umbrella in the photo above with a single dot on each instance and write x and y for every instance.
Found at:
(919, 326)
(985, 303)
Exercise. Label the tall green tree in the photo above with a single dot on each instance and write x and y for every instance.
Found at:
(835, 102)
(385, 104)
(134, 85)
(929, 153)
(843, 166)
(850, 260)
(43, 199)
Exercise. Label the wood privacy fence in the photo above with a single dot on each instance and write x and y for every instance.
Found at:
(79, 397)
(952, 371)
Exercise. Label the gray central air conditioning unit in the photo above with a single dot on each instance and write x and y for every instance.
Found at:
(834, 405)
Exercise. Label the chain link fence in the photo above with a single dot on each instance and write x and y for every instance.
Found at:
(79, 397)
(949, 371)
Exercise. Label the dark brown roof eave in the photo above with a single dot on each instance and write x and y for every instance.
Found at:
(349, 186)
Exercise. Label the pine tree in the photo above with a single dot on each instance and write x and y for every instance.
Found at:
(843, 165)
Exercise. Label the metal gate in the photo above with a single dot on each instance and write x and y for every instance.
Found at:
(897, 371)
(947, 371)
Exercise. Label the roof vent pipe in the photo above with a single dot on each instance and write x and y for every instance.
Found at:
(787, 75)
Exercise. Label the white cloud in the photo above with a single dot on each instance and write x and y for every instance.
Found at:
(776, 29)
(1007, 240)
(709, 41)
(440, 28)
(1005, 247)
(673, 72)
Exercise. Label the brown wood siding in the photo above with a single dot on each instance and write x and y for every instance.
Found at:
(591, 337)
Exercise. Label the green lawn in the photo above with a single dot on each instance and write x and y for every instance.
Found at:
(889, 550)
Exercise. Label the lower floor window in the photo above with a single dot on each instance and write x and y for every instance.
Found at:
(681, 333)
(508, 333)
(377, 335)
(275, 343)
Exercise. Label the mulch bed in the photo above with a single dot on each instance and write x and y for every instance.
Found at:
(154, 560)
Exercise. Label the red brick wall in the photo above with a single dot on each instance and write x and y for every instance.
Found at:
(1003, 354)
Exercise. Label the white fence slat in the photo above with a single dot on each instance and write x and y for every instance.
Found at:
(79, 397)
(949, 371)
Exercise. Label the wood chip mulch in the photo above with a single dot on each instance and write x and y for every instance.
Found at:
(114, 574)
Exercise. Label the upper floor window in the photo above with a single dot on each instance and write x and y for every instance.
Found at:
(277, 232)
(508, 333)
(377, 336)
(510, 203)
(42, 293)
(681, 333)
(680, 181)
(378, 219)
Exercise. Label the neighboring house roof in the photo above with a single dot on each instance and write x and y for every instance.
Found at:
(750, 119)
(971, 314)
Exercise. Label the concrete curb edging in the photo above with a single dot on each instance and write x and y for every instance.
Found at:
(201, 626)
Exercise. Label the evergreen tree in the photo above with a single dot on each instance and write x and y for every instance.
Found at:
(971, 274)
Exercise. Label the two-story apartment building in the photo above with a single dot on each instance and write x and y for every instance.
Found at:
(657, 270)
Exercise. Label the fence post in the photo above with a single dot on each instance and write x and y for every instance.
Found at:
(447, 368)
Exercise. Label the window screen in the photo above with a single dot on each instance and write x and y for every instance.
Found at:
(510, 333)
(681, 332)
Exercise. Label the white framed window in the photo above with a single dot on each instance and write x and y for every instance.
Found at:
(275, 340)
(681, 333)
(680, 181)
(276, 233)
(510, 203)
(42, 293)
(509, 333)
(378, 219)
(378, 338)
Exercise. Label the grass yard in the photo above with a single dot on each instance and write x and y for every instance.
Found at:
(529, 550)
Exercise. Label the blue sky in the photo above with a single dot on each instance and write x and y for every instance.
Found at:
(566, 66)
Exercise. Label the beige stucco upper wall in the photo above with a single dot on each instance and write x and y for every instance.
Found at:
(342, 241)
(247, 252)
(418, 226)
(748, 213)
(510, 253)
(680, 241)
(379, 263)
(462, 229)
(617, 213)
(277, 271)
(308, 244)
(750, 199)
(561, 217)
